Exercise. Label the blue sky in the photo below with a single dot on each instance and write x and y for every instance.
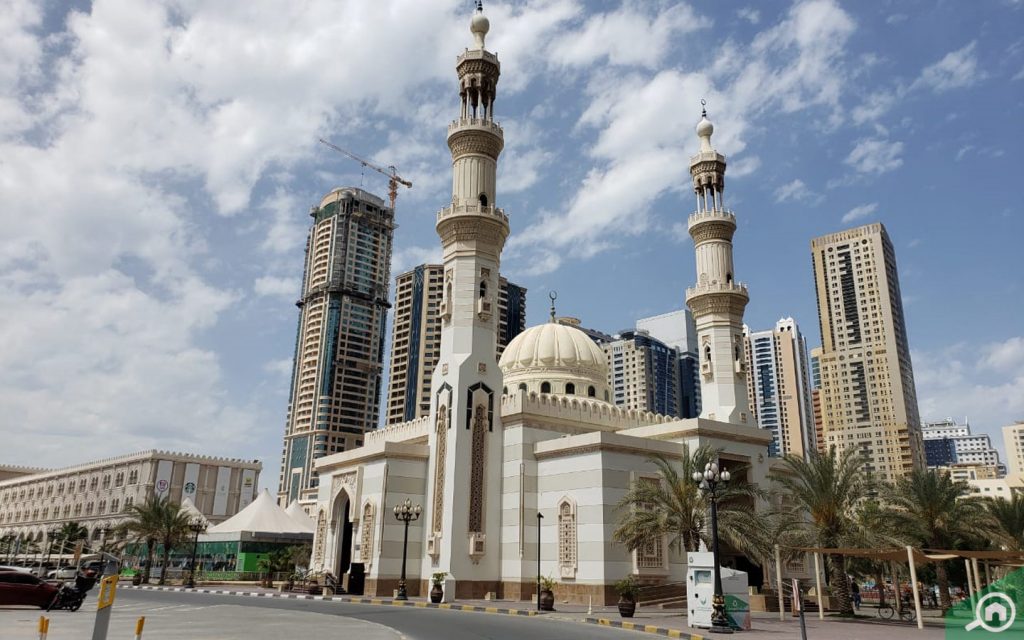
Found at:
(158, 160)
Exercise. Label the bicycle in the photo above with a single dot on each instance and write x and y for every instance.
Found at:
(886, 612)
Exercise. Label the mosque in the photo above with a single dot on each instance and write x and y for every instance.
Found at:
(529, 448)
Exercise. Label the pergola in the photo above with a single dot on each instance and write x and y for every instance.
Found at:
(914, 557)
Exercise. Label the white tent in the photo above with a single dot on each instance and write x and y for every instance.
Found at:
(300, 516)
(189, 509)
(261, 516)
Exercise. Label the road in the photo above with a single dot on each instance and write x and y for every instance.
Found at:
(199, 616)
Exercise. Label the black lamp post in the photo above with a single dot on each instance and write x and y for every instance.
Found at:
(709, 482)
(197, 525)
(405, 512)
(50, 535)
(540, 516)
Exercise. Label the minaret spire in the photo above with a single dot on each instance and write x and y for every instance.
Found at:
(554, 296)
(718, 301)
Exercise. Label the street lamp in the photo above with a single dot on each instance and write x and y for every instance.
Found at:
(405, 512)
(50, 536)
(540, 516)
(709, 482)
(197, 525)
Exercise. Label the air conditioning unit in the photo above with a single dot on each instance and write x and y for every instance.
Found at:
(434, 544)
(446, 310)
(705, 368)
(740, 366)
(477, 545)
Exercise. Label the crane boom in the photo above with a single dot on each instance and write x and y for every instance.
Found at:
(391, 172)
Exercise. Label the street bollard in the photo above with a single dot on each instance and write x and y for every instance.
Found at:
(590, 606)
(104, 602)
(44, 627)
(798, 598)
(138, 627)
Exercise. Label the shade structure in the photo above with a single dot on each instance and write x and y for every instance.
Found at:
(263, 516)
(299, 515)
(191, 512)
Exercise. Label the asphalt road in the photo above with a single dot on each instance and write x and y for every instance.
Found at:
(199, 615)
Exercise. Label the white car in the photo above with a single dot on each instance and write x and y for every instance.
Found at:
(64, 573)
(4, 567)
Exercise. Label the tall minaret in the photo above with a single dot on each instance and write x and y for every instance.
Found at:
(464, 494)
(717, 302)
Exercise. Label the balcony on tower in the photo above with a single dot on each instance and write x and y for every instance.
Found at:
(473, 209)
(480, 124)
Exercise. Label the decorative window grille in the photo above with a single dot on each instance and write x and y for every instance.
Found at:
(651, 555)
(437, 513)
(318, 542)
(476, 500)
(366, 528)
(567, 539)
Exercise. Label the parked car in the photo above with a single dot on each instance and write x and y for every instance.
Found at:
(4, 567)
(20, 588)
(63, 573)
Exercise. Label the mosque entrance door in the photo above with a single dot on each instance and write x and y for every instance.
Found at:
(343, 533)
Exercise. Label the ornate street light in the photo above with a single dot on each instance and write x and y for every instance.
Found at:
(197, 525)
(405, 512)
(709, 483)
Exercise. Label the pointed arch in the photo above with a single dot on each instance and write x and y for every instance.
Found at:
(567, 544)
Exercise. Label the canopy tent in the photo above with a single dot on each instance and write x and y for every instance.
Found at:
(189, 509)
(299, 515)
(263, 516)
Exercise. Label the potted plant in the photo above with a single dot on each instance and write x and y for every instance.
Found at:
(627, 590)
(437, 588)
(547, 593)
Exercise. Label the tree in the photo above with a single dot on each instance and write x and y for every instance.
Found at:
(1007, 521)
(156, 521)
(70, 533)
(676, 508)
(936, 513)
(817, 499)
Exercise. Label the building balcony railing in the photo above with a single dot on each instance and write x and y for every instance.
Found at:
(476, 54)
(472, 209)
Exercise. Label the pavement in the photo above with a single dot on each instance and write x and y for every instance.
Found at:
(252, 613)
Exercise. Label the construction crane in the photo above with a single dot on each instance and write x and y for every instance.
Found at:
(393, 178)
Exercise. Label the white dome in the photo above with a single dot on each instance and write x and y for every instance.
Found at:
(555, 358)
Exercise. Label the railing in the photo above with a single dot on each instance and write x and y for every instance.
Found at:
(467, 209)
(718, 287)
(482, 123)
(476, 54)
(714, 214)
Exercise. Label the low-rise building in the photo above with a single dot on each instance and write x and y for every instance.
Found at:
(98, 494)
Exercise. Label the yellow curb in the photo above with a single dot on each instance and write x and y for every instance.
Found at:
(491, 609)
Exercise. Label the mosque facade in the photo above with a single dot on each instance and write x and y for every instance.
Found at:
(526, 458)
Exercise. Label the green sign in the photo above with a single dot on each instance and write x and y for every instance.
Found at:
(997, 611)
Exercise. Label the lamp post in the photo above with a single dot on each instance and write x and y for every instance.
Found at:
(50, 535)
(709, 482)
(197, 525)
(540, 516)
(405, 512)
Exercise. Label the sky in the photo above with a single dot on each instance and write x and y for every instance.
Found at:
(158, 161)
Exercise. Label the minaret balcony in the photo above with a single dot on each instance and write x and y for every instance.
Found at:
(718, 297)
(479, 124)
(715, 215)
(477, 54)
(739, 288)
(490, 212)
(716, 224)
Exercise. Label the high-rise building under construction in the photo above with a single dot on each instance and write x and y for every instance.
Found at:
(339, 349)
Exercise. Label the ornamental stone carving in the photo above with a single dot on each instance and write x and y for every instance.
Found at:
(346, 481)
(464, 142)
(712, 230)
(321, 536)
(702, 304)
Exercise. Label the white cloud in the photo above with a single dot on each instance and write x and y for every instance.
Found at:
(750, 14)
(983, 382)
(955, 70)
(862, 211)
(406, 258)
(875, 156)
(896, 18)
(876, 105)
(796, 191)
(287, 288)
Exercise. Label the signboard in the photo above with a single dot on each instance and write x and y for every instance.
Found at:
(162, 486)
(191, 483)
(248, 488)
(220, 497)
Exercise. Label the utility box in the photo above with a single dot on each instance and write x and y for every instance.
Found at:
(700, 589)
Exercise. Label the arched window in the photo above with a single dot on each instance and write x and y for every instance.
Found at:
(606, 395)
(736, 352)
(504, 391)
(707, 353)
(522, 386)
(545, 387)
(570, 389)
(591, 392)
(483, 199)
(728, 278)
(483, 288)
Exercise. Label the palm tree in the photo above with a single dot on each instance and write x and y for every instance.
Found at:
(157, 521)
(936, 513)
(676, 508)
(1007, 519)
(818, 498)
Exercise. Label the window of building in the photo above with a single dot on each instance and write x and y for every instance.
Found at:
(567, 538)
(570, 389)
(591, 392)
(545, 387)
